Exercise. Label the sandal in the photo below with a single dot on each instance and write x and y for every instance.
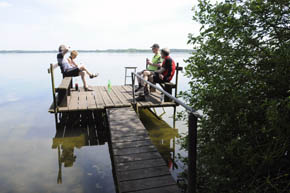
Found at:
(141, 98)
(93, 76)
(146, 91)
(139, 88)
(88, 89)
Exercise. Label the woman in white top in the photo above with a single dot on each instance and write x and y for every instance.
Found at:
(71, 69)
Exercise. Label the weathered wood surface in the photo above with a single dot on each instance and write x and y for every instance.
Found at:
(65, 84)
(101, 98)
(138, 165)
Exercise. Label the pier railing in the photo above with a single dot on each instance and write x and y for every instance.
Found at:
(192, 131)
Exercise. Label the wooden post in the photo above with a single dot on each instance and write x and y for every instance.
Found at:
(53, 92)
(192, 141)
(174, 117)
(133, 88)
(125, 83)
(168, 89)
(176, 78)
(59, 176)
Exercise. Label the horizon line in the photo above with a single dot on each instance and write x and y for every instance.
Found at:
(95, 50)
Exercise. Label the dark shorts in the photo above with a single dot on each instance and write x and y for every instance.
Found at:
(157, 79)
(72, 72)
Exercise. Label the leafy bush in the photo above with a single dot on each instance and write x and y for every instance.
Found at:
(240, 79)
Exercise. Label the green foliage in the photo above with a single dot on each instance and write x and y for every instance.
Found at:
(240, 79)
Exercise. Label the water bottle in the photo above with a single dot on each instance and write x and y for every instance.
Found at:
(77, 85)
(109, 86)
(161, 97)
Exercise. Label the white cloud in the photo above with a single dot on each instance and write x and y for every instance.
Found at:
(4, 4)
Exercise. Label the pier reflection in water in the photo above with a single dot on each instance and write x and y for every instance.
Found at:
(162, 136)
(75, 131)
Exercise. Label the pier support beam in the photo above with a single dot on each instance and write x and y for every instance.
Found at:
(192, 152)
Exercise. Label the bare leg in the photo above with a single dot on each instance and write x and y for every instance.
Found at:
(138, 79)
(83, 74)
(82, 68)
(140, 82)
(147, 75)
(150, 78)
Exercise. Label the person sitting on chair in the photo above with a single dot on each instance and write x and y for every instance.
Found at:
(70, 69)
(150, 66)
(165, 73)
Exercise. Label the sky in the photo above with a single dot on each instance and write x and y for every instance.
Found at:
(95, 24)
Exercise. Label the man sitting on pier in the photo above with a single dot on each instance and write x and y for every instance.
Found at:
(165, 73)
(70, 69)
(151, 66)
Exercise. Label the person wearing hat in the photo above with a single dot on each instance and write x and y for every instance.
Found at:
(151, 66)
(70, 69)
(165, 73)
(62, 50)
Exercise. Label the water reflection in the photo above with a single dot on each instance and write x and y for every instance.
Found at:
(28, 163)
(75, 131)
(162, 136)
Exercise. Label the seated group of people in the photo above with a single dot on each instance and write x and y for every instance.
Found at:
(70, 69)
(160, 70)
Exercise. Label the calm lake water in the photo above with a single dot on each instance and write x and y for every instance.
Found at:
(31, 159)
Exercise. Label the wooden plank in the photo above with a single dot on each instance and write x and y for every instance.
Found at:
(155, 98)
(91, 101)
(165, 189)
(134, 150)
(141, 173)
(120, 139)
(124, 94)
(130, 125)
(152, 99)
(147, 183)
(129, 91)
(98, 98)
(113, 97)
(64, 109)
(143, 164)
(155, 102)
(148, 101)
(120, 95)
(126, 116)
(127, 133)
(131, 144)
(74, 101)
(65, 83)
(138, 164)
(127, 125)
(83, 105)
(104, 94)
(137, 157)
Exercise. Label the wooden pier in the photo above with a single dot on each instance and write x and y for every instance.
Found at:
(138, 165)
(101, 98)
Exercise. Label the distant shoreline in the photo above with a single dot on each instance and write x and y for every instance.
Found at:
(96, 51)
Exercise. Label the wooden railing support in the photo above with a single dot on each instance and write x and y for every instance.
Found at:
(192, 152)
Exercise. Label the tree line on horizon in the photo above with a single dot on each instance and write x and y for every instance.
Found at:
(131, 50)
